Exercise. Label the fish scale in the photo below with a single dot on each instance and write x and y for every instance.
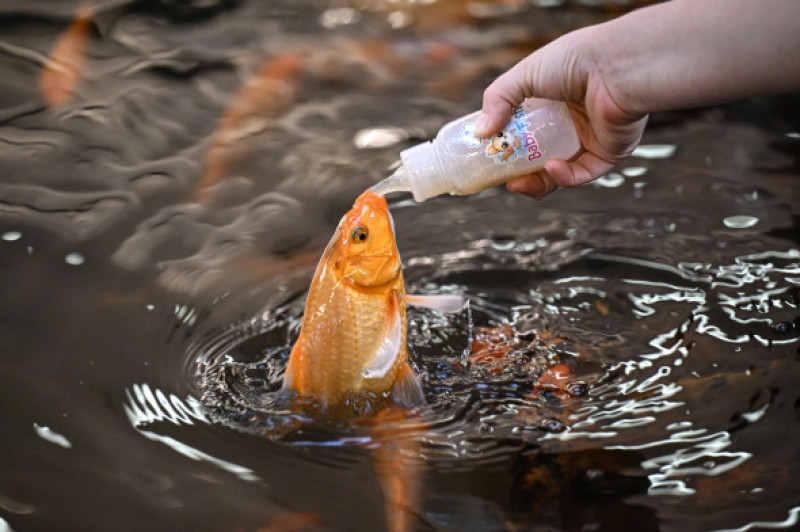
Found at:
(339, 342)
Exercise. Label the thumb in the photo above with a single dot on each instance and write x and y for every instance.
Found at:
(499, 100)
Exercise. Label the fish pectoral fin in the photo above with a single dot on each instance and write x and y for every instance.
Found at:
(407, 391)
(391, 345)
(448, 303)
(290, 376)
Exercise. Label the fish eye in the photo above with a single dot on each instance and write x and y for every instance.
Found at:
(360, 234)
(499, 135)
(504, 145)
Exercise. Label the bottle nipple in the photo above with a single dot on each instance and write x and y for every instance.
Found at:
(397, 182)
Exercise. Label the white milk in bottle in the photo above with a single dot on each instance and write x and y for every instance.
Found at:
(457, 162)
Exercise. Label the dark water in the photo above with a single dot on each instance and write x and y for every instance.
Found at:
(153, 275)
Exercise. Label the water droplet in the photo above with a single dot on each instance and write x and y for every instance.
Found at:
(74, 259)
(741, 221)
(12, 236)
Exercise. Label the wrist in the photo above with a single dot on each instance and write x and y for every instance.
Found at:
(616, 63)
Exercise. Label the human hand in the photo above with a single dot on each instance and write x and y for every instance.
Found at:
(568, 69)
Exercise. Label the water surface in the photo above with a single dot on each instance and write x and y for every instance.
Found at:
(158, 231)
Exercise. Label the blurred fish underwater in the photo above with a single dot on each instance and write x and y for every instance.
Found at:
(171, 172)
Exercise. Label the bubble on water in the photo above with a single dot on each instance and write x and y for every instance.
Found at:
(740, 221)
(12, 236)
(74, 259)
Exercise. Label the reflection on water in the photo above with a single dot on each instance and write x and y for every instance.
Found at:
(629, 354)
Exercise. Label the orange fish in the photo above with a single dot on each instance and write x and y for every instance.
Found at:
(64, 67)
(352, 340)
(268, 94)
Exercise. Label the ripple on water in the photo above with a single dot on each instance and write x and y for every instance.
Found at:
(483, 371)
(76, 216)
(479, 375)
(642, 344)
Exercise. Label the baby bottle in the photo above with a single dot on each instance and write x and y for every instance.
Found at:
(457, 162)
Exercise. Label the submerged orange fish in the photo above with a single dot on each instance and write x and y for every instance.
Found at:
(64, 68)
(353, 337)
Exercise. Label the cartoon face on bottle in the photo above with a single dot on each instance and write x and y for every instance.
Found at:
(503, 144)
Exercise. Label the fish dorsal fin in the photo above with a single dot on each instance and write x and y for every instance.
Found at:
(442, 302)
(391, 344)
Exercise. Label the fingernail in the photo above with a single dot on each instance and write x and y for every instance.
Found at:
(481, 125)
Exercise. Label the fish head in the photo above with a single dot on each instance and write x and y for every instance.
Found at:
(364, 250)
